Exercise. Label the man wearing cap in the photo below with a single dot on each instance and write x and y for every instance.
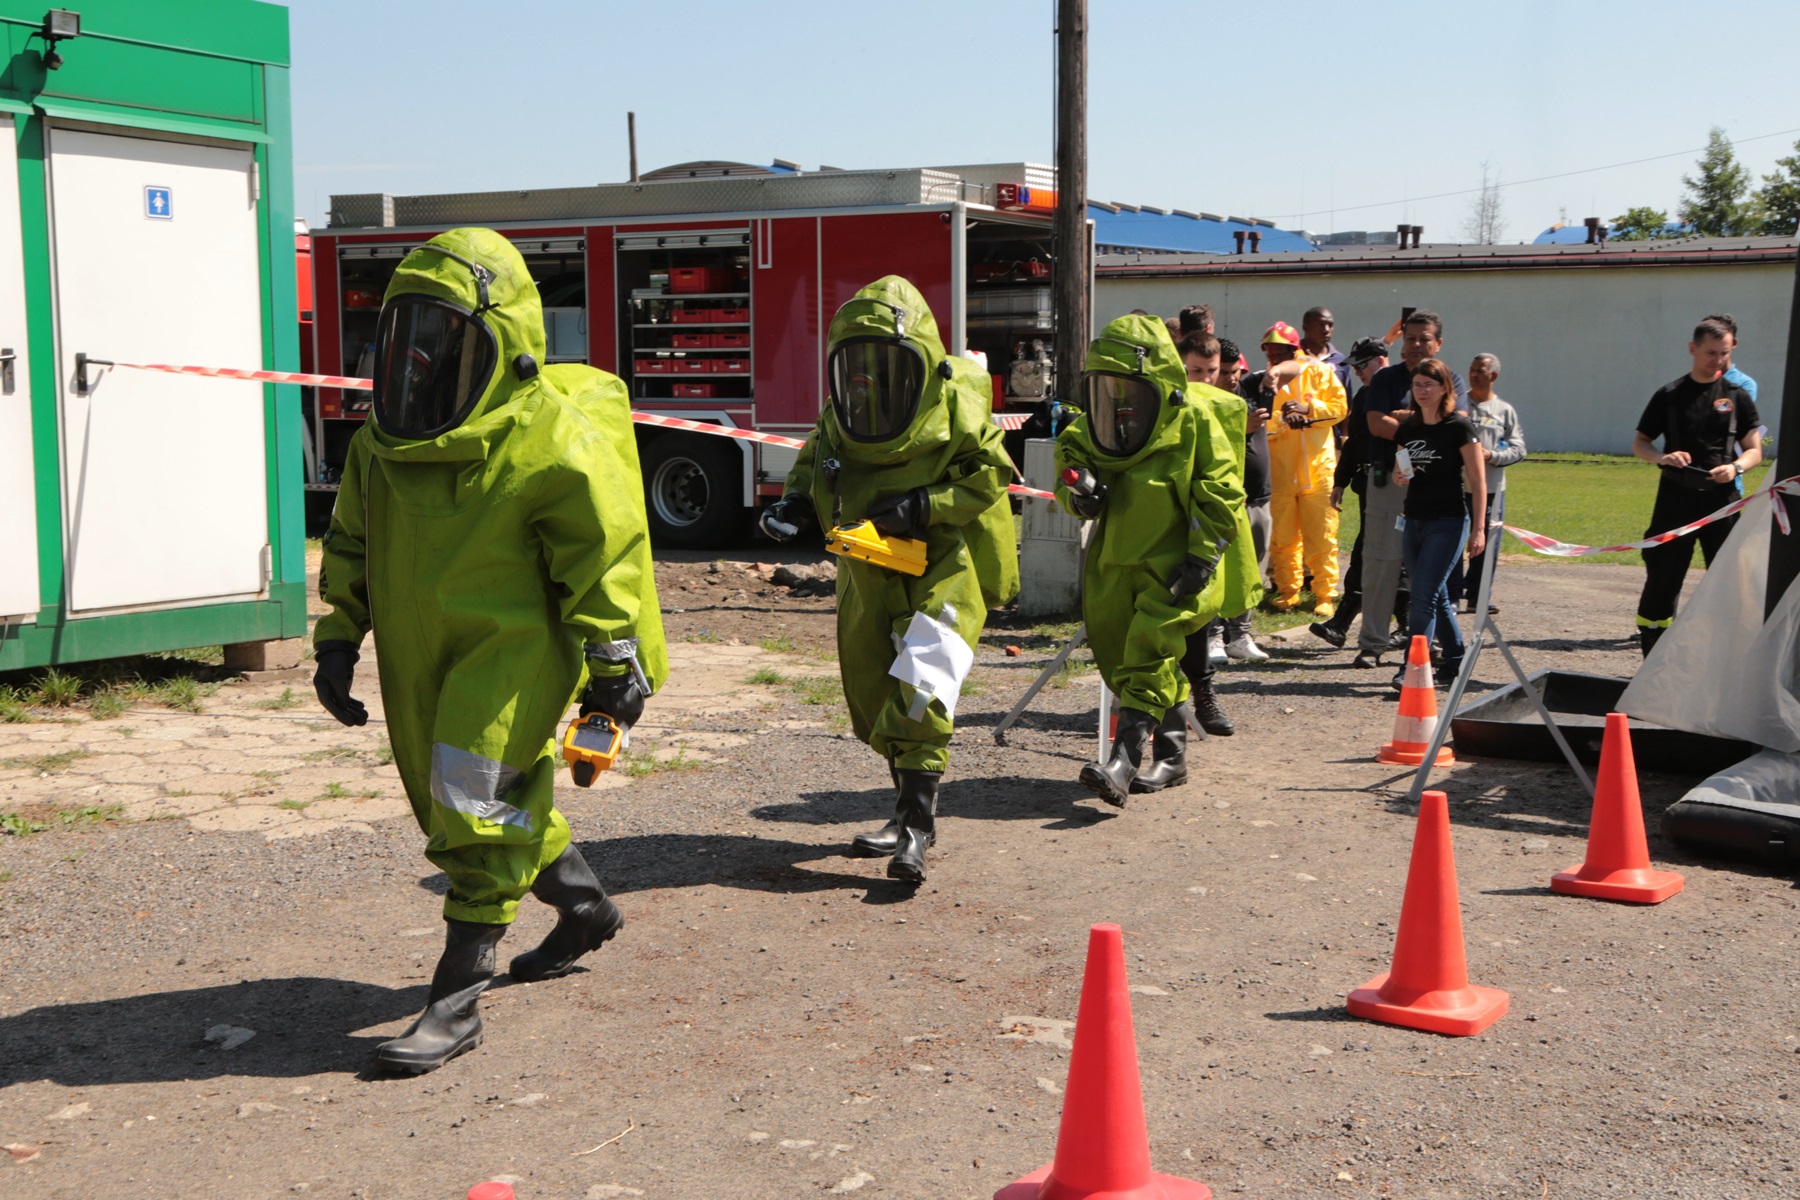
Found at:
(1304, 400)
(1367, 357)
(1387, 402)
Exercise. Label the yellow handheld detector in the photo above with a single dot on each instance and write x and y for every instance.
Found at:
(590, 746)
(863, 541)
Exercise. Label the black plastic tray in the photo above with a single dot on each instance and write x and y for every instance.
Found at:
(1505, 724)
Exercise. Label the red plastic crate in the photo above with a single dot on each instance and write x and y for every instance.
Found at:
(731, 366)
(693, 316)
(699, 279)
(691, 341)
(693, 366)
(736, 340)
(731, 314)
(655, 366)
(694, 391)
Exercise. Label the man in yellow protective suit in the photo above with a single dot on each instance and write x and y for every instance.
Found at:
(907, 443)
(1305, 401)
(490, 529)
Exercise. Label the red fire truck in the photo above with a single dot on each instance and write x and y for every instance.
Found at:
(709, 287)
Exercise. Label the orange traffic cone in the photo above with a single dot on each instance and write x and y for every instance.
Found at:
(491, 1190)
(1618, 858)
(1429, 986)
(1103, 1147)
(1417, 719)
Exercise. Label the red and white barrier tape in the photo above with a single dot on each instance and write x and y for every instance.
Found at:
(1548, 545)
(363, 385)
(330, 381)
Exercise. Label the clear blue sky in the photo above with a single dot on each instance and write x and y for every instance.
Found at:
(1191, 105)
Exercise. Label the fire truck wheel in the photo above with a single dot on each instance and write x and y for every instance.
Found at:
(693, 491)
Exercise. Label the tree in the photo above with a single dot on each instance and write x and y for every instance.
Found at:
(1716, 202)
(1638, 224)
(1485, 223)
(1779, 198)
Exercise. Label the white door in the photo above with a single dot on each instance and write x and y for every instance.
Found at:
(164, 476)
(18, 480)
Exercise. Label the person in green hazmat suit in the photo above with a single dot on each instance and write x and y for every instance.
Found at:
(907, 443)
(1158, 473)
(490, 529)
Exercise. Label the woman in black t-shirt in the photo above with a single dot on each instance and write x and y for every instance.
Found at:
(1442, 447)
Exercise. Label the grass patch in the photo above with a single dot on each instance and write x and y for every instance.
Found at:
(106, 688)
(13, 709)
(639, 765)
(266, 774)
(26, 823)
(44, 764)
(373, 793)
(816, 689)
(106, 706)
(293, 805)
(765, 675)
(178, 793)
(1079, 663)
(384, 753)
(838, 722)
(1589, 501)
(970, 687)
(6, 876)
(779, 644)
(287, 699)
(704, 635)
(57, 689)
(334, 791)
(337, 754)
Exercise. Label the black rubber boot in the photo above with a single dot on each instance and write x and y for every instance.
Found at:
(1206, 708)
(881, 843)
(916, 816)
(1335, 629)
(1111, 780)
(585, 918)
(451, 1022)
(1648, 636)
(1168, 753)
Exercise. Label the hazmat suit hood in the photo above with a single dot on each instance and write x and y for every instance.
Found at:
(1132, 352)
(887, 322)
(458, 315)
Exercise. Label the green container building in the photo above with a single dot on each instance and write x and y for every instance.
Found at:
(146, 217)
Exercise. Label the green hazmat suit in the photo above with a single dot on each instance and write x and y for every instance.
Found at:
(1240, 575)
(1179, 494)
(486, 560)
(953, 450)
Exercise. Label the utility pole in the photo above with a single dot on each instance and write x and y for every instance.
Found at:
(1784, 551)
(631, 136)
(1070, 298)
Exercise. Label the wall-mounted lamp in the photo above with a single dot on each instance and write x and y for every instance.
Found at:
(59, 25)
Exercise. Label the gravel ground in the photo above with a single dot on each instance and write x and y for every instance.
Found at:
(778, 1018)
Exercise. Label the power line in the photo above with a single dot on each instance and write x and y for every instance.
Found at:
(1540, 179)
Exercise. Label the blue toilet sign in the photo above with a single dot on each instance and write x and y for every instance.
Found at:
(158, 204)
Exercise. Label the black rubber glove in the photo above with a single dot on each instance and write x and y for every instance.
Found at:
(1087, 505)
(785, 518)
(1191, 577)
(904, 515)
(618, 696)
(331, 682)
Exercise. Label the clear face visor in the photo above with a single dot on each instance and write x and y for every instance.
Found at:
(433, 361)
(876, 385)
(1121, 410)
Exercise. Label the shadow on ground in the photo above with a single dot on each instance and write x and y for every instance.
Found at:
(304, 1026)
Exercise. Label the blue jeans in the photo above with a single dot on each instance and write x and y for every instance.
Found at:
(1430, 549)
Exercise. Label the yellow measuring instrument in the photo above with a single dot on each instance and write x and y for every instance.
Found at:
(590, 746)
(863, 541)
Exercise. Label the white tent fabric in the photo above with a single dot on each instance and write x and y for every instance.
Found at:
(1720, 669)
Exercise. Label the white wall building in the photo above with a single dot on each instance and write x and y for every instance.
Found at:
(1585, 333)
